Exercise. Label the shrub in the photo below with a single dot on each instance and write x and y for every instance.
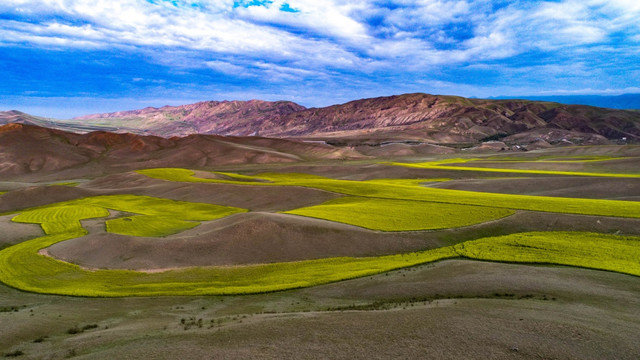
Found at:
(14, 353)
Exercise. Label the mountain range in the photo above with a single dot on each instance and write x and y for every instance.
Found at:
(408, 117)
(623, 101)
(231, 132)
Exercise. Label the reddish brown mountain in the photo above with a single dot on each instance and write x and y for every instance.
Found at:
(409, 117)
(26, 149)
(240, 118)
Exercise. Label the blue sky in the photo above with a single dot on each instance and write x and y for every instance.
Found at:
(62, 58)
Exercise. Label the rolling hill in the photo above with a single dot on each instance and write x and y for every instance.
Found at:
(27, 149)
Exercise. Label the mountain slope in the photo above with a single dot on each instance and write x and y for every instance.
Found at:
(241, 118)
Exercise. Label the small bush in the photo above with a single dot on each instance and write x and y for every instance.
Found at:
(74, 330)
(40, 339)
(78, 330)
(9, 309)
(14, 353)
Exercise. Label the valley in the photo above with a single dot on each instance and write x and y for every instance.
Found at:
(528, 254)
(260, 179)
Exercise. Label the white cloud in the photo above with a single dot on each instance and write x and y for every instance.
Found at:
(283, 73)
(329, 18)
(129, 23)
(583, 33)
(322, 37)
(225, 67)
(427, 13)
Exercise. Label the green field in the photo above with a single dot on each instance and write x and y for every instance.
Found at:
(400, 215)
(383, 204)
(553, 159)
(139, 204)
(148, 225)
(61, 219)
(47, 275)
(410, 189)
(588, 250)
(158, 217)
(147, 205)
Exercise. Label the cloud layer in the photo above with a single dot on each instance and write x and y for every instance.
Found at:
(315, 52)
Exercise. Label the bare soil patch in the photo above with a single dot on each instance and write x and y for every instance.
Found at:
(239, 239)
(254, 197)
(12, 233)
(39, 195)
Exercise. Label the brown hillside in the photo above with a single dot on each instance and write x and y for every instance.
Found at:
(32, 149)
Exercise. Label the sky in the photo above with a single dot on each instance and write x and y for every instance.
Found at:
(64, 58)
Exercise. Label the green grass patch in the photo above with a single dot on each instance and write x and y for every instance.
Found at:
(60, 219)
(175, 174)
(553, 158)
(68, 183)
(237, 177)
(147, 205)
(400, 215)
(588, 250)
(148, 225)
(158, 217)
(406, 182)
